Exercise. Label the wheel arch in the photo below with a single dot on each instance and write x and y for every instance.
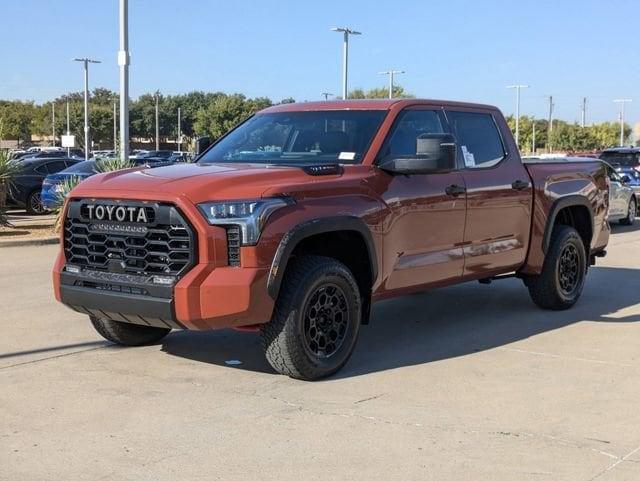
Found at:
(575, 211)
(350, 229)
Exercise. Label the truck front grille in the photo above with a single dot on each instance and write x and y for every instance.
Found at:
(165, 246)
(233, 245)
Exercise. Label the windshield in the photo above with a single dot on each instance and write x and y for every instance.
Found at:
(626, 159)
(299, 137)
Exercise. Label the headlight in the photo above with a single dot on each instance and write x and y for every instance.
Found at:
(249, 215)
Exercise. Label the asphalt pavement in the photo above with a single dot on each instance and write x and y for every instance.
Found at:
(471, 382)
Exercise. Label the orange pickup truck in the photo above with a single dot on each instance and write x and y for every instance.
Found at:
(297, 220)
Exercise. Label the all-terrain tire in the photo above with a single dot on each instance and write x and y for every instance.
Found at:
(316, 319)
(631, 213)
(561, 281)
(127, 334)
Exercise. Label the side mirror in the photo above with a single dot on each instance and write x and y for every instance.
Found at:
(202, 144)
(434, 153)
(625, 179)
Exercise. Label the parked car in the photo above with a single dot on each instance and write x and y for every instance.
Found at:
(626, 161)
(27, 184)
(623, 199)
(52, 184)
(293, 223)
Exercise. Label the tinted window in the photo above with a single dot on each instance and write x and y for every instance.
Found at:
(298, 137)
(625, 159)
(410, 125)
(478, 138)
(56, 166)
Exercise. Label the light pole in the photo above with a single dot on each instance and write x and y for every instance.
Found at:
(583, 112)
(123, 63)
(346, 31)
(68, 130)
(326, 95)
(86, 62)
(622, 102)
(157, 123)
(115, 128)
(179, 131)
(533, 134)
(391, 74)
(518, 88)
(53, 122)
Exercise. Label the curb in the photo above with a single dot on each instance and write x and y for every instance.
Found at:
(30, 242)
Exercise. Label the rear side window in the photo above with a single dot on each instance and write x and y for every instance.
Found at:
(623, 159)
(479, 139)
(55, 167)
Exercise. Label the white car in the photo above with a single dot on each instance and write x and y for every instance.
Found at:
(623, 204)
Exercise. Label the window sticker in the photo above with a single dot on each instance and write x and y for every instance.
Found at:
(469, 159)
(347, 156)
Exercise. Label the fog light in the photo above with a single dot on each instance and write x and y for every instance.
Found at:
(164, 281)
(72, 269)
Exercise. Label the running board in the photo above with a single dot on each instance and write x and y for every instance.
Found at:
(489, 280)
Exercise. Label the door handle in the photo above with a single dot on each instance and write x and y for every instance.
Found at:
(455, 190)
(520, 185)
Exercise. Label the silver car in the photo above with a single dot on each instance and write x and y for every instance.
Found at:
(623, 205)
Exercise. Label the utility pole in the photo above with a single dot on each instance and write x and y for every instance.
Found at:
(584, 112)
(326, 95)
(345, 55)
(622, 102)
(391, 74)
(86, 62)
(157, 122)
(518, 87)
(533, 140)
(123, 62)
(68, 132)
(179, 132)
(53, 122)
(550, 123)
(115, 129)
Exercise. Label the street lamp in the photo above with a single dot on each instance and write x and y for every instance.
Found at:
(123, 62)
(622, 102)
(345, 55)
(86, 62)
(391, 74)
(517, 87)
(157, 122)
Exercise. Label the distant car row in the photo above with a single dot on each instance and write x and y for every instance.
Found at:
(37, 185)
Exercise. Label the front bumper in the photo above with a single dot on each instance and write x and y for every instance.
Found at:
(205, 298)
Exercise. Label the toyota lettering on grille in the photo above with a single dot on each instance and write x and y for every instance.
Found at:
(117, 213)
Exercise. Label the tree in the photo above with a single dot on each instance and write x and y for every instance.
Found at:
(225, 112)
(380, 93)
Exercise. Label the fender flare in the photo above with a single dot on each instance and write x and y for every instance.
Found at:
(556, 207)
(310, 228)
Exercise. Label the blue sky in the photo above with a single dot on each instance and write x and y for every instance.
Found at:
(460, 50)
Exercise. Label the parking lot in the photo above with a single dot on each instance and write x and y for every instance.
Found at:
(466, 383)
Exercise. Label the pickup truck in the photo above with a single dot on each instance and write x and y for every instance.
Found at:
(297, 220)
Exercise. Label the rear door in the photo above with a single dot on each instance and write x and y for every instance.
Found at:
(499, 193)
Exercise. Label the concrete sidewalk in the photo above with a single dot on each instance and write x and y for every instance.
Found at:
(466, 383)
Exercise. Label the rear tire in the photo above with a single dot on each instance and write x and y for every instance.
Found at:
(34, 204)
(561, 281)
(631, 213)
(127, 334)
(316, 319)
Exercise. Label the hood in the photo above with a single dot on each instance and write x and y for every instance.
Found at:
(199, 182)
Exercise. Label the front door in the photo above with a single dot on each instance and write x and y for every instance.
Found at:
(499, 194)
(423, 236)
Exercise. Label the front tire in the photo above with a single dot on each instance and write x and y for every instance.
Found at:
(561, 281)
(631, 213)
(316, 319)
(127, 334)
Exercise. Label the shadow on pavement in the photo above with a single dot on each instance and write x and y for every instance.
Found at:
(436, 325)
